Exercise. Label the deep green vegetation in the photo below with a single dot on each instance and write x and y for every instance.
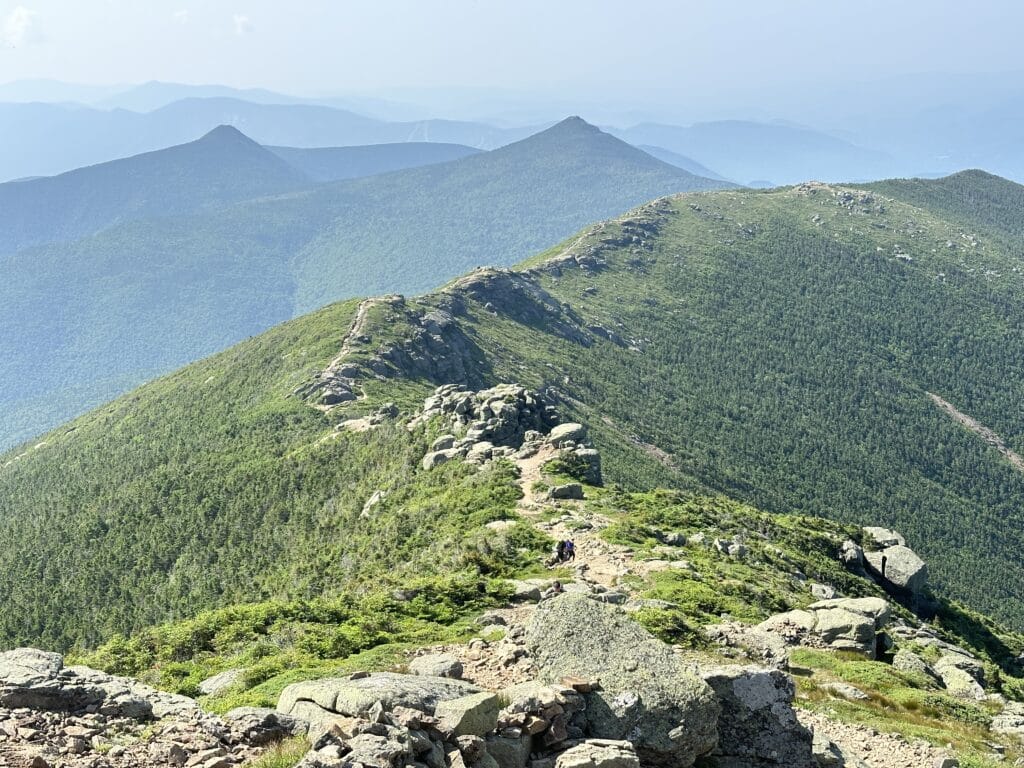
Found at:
(86, 320)
(974, 198)
(215, 486)
(277, 643)
(777, 347)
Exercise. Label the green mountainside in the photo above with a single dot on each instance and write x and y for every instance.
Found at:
(337, 163)
(220, 168)
(779, 347)
(973, 197)
(89, 319)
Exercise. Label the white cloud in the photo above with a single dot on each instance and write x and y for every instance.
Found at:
(243, 24)
(182, 16)
(20, 27)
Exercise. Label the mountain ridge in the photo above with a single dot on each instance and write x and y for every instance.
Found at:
(233, 271)
(826, 411)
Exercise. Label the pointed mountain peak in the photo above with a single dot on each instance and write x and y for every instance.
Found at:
(573, 125)
(226, 134)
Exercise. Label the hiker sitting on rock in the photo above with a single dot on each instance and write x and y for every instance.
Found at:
(552, 591)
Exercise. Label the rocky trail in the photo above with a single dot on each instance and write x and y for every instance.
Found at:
(336, 384)
(598, 571)
(550, 681)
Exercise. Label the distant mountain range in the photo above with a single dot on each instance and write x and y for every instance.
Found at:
(44, 139)
(922, 125)
(779, 154)
(222, 167)
(680, 161)
(142, 291)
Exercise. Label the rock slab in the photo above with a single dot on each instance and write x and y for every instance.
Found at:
(757, 725)
(646, 695)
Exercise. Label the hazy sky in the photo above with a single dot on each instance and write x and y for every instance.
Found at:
(344, 45)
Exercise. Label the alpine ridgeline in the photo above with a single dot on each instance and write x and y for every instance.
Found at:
(367, 479)
(146, 288)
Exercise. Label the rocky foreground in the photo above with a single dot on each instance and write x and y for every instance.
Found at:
(52, 715)
(606, 694)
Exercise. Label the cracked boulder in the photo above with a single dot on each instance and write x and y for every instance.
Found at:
(757, 725)
(898, 566)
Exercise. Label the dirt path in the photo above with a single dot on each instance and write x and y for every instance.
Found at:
(332, 373)
(600, 567)
(597, 562)
(980, 430)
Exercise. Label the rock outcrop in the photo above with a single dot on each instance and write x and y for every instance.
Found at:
(898, 566)
(963, 676)
(504, 421)
(757, 725)
(646, 694)
(842, 624)
(76, 717)
(35, 679)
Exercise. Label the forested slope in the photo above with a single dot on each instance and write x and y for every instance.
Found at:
(776, 346)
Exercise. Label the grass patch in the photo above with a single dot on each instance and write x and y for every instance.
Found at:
(285, 754)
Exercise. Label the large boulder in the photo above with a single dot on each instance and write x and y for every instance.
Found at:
(764, 647)
(354, 697)
(599, 753)
(963, 676)
(37, 679)
(757, 726)
(900, 567)
(877, 609)
(567, 491)
(259, 725)
(841, 624)
(31, 678)
(851, 554)
(221, 682)
(436, 458)
(844, 630)
(567, 433)
(436, 665)
(646, 693)
(510, 751)
(472, 715)
(906, 660)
